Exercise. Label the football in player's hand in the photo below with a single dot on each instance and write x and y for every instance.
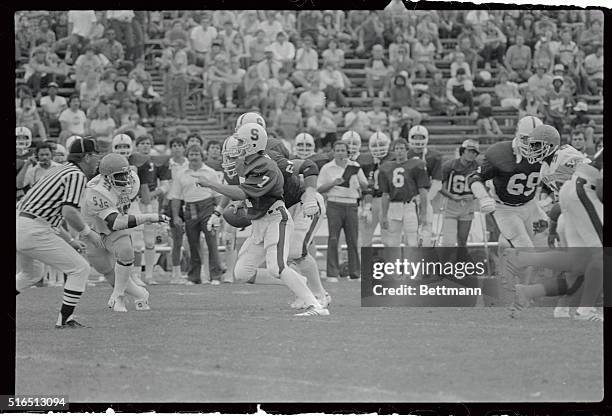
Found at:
(236, 217)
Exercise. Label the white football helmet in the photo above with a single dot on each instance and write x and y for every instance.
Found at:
(379, 144)
(23, 136)
(122, 144)
(543, 141)
(523, 130)
(70, 139)
(59, 154)
(230, 152)
(115, 169)
(353, 141)
(252, 138)
(251, 117)
(562, 166)
(418, 137)
(304, 146)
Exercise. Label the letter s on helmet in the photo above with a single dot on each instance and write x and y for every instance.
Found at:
(251, 117)
(252, 138)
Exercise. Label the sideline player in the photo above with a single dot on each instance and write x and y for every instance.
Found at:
(108, 197)
(401, 181)
(272, 226)
(458, 202)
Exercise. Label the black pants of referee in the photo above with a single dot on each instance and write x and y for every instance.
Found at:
(343, 217)
(197, 215)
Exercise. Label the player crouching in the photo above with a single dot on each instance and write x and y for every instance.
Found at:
(272, 225)
(108, 197)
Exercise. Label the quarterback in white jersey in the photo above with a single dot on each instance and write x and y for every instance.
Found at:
(108, 198)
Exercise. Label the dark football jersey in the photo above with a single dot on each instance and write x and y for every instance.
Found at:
(371, 170)
(263, 184)
(321, 159)
(278, 146)
(433, 161)
(454, 176)
(402, 180)
(293, 187)
(150, 169)
(515, 183)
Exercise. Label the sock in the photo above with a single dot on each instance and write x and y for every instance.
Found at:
(307, 266)
(176, 272)
(149, 256)
(297, 284)
(122, 276)
(71, 299)
(134, 290)
(264, 277)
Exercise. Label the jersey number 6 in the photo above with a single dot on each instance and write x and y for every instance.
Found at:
(398, 178)
(521, 184)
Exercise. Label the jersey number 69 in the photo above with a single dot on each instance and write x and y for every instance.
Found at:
(521, 184)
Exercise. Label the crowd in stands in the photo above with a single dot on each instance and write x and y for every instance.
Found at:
(289, 66)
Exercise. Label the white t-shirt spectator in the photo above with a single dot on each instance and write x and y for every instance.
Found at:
(377, 119)
(336, 55)
(476, 17)
(594, 66)
(455, 66)
(271, 30)
(76, 120)
(53, 107)
(135, 87)
(356, 121)
(333, 78)
(83, 21)
(306, 60)
(202, 39)
(309, 100)
(284, 52)
(33, 174)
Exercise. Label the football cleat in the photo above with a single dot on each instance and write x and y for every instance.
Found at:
(592, 315)
(324, 301)
(313, 311)
(117, 304)
(70, 324)
(142, 304)
(215, 282)
(298, 304)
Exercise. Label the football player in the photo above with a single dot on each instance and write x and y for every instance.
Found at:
(304, 146)
(418, 138)
(108, 197)
(272, 225)
(371, 206)
(514, 169)
(401, 181)
(459, 202)
(23, 153)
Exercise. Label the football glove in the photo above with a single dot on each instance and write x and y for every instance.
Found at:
(487, 204)
(540, 226)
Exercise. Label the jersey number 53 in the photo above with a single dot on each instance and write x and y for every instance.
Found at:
(521, 184)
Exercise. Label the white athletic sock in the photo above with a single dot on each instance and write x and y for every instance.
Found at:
(149, 256)
(308, 267)
(297, 284)
(176, 272)
(132, 289)
(122, 276)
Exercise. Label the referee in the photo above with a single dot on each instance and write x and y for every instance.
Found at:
(40, 239)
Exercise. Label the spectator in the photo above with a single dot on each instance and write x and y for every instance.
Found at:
(161, 135)
(59, 153)
(423, 54)
(322, 128)
(437, 94)
(579, 142)
(593, 71)
(333, 54)
(306, 63)
(235, 78)
(507, 92)
(518, 60)
(38, 73)
(135, 84)
(311, 98)
(176, 32)
(556, 105)
(218, 82)
(370, 32)
(328, 30)
(378, 72)
(101, 126)
(258, 46)
(28, 116)
(543, 54)
(358, 121)
(43, 32)
(284, 51)
(216, 48)
(138, 24)
(72, 119)
(193, 139)
(24, 37)
(248, 27)
(178, 81)
(402, 93)
(485, 121)
(237, 49)
(99, 27)
(89, 92)
(403, 63)
(459, 90)
(427, 26)
(459, 62)
(269, 67)
(289, 22)
(33, 173)
(133, 126)
(398, 41)
(280, 88)
(52, 106)
(221, 17)
(476, 17)
(58, 68)
(213, 156)
(472, 57)
(510, 29)
(583, 122)
(449, 24)
(307, 23)
(60, 26)
(569, 84)
(113, 51)
(69, 48)
(271, 26)
(333, 84)
(202, 37)
(377, 117)
(107, 84)
(494, 45)
(121, 22)
(289, 121)
(590, 38)
(527, 30)
(342, 208)
(530, 105)
(567, 49)
(540, 82)
(86, 64)
(255, 90)
(227, 35)
(120, 96)
(81, 23)
(335, 113)
(149, 102)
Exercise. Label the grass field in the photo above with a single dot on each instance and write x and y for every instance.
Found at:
(241, 343)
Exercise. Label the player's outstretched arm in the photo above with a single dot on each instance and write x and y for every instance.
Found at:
(116, 221)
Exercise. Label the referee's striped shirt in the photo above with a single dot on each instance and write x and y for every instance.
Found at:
(63, 185)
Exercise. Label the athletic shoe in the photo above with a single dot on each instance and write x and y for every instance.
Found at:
(521, 301)
(71, 324)
(298, 304)
(332, 280)
(592, 315)
(561, 312)
(117, 304)
(142, 304)
(215, 282)
(228, 280)
(324, 301)
(312, 311)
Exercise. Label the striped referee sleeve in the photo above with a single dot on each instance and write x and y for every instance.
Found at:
(74, 183)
